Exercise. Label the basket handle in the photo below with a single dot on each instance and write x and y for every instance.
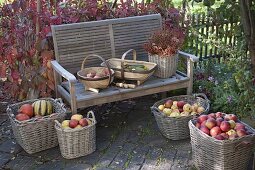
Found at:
(155, 109)
(246, 144)
(106, 64)
(57, 124)
(91, 114)
(123, 58)
(202, 95)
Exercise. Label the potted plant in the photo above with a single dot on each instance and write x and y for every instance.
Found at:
(162, 48)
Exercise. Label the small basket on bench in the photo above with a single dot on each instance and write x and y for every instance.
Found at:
(176, 128)
(95, 78)
(132, 69)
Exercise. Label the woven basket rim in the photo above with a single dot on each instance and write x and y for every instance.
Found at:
(160, 113)
(164, 56)
(33, 120)
(93, 79)
(222, 142)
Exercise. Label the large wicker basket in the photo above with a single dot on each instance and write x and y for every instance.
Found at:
(177, 128)
(167, 65)
(118, 66)
(36, 134)
(212, 154)
(95, 83)
(75, 143)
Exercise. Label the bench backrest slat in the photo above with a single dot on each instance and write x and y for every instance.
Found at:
(108, 38)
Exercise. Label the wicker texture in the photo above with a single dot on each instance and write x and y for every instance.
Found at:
(118, 66)
(36, 134)
(3, 107)
(96, 83)
(177, 128)
(75, 143)
(212, 154)
(166, 65)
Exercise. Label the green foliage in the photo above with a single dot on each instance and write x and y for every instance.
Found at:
(230, 87)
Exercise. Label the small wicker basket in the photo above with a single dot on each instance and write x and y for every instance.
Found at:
(167, 65)
(177, 128)
(36, 134)
(75, 143)
(95, 83)
(212, 154)
(118, 66)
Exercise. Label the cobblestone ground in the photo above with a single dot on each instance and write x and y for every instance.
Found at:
(127, 138)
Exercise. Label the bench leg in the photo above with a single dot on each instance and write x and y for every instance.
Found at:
(190, 65)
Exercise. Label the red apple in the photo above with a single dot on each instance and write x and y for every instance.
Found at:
(241, 132)
(168, 103)
(231, 117)
(233, 136)
(180, 104)
(212, 115)
(205, 130)
(239, 126)
(219, 120)
(225, 126)
(219, 137)
(83, 122)
(203, 123)
(215, 131)
(210, 123)
(198, 125)
(218, 114)
(73, 123)
(202, 118)
(224, 135)
(180, 110)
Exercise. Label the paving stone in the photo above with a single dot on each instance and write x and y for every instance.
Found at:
(22, 163)
(75, 166)
(181, 160)
(10, 146)
(138, 157)
(90, 159)
(4, 158)
(152, 159)
(122, 157)
(52, 165)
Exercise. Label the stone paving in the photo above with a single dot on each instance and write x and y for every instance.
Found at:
(127, 138)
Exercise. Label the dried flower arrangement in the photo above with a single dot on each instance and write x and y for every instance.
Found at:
(165, 42)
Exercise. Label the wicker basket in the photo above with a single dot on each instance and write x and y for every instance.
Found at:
(177, 128)
(212, 154)
(36, 134)
(95, 83)
(75, 143)
(118, 66)
(166, 65)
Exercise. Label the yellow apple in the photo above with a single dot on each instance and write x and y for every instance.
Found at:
(231, 132)
(200, 109)
(174, 107)
(77, 117)
(232, 124)
(193, 113)
(185, 114)
(167, 111)
(161, 107)
(89, 121)
(65, 124)
(176, 110)
(175, 114)
(175, 103)
(187, 108)
(78, 127)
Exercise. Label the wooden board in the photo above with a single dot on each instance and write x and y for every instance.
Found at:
(151, 86)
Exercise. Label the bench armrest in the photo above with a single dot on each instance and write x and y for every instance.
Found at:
(63, 72)
(191, 57)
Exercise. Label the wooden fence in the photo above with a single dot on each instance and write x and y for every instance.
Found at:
(205, 31)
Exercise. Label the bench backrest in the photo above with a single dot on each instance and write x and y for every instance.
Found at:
(107, 38)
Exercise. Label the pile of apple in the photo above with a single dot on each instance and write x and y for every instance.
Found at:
(180, 108)
(98, 74)
(77, 121)
(221, 126)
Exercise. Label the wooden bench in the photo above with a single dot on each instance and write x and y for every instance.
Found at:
(108, 38)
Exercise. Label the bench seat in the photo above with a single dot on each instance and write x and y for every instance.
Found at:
(113, 93)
